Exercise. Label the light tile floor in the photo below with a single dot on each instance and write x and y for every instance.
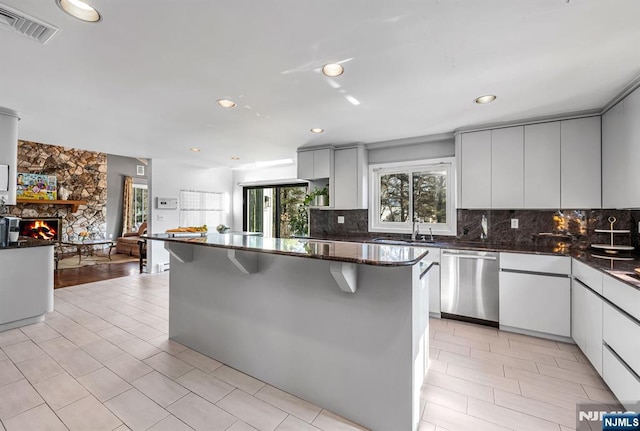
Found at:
(102, 361)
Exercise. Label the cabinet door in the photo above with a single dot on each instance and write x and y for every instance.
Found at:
(578, 315)
(346, 179)
(616, 153)
(305, 165)
(322, 163)
(632, 136)
(580, 163)
(593, 334)
(525, 303)
(507, 162)
(622, 382)
(475, 170)
(542, 165)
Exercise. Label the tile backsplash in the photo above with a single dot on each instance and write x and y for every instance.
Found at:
(535, 227)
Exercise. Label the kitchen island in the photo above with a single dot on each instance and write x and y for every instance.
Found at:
(343, 325)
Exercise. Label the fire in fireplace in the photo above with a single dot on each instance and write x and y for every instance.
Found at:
(41, 228)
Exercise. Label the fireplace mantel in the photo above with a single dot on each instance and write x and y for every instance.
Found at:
(74, 204)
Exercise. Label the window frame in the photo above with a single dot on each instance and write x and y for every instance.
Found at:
(376, 170)
(277, 206)
(145, 204)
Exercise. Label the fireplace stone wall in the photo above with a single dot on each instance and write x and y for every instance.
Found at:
(82, 172)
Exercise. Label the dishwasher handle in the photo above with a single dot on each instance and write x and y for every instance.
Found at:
(469, 256)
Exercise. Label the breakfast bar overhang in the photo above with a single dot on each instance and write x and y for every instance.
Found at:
(341, 324)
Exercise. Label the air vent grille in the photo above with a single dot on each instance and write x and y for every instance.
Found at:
(26, 25)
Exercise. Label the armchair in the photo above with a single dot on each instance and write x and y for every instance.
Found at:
(128, 243)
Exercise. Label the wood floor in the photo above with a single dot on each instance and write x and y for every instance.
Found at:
(89, 274)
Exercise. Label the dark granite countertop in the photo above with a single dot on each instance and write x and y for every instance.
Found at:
(29, 243)
(342, 251)
(622, 270)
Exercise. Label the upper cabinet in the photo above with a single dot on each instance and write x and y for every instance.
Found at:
(475, 170)
(580, 163)
(542, 165)
(621, 154)
(315, 164)
(344, 170)
(536, 166)
(8, 155)
(351, 182)
(507, 173)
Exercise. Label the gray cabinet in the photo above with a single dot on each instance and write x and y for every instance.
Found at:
(507, 167)
(621, 154)
(586, 312)
(542, 165)
(546, 165)
(351, 178)
(580, 163)
(475, 170)
(526, 284)
(315, 164)
(8, 155)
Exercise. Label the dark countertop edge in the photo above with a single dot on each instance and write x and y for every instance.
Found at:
(29, 244)
(308, 256)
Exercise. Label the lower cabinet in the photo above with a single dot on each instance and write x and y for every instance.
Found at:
(621, 380)
(535, 293)
(586, 322)
(434, 282)
(534, 302)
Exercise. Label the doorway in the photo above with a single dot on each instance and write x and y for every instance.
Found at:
(277, 211)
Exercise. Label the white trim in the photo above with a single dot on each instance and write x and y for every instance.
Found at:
(449, 228)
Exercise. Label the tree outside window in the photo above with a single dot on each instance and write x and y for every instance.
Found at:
(406, 192)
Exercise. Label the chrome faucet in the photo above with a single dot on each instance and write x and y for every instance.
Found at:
(415, 231)
(430, 235)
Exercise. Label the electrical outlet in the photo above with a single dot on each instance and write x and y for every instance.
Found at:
(160, 217)
(514, 223)
(341, 219)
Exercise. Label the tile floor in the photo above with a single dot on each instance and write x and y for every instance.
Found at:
(102, 361)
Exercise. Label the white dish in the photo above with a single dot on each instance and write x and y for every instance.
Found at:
(611, 257)
(611, 231)
(612, 247)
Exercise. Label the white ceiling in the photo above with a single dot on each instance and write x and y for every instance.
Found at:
(144, 83)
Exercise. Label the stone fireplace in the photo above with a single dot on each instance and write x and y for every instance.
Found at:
(84, 173)
(47, 228)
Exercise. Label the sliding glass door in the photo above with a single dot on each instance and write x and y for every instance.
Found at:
(277, 211)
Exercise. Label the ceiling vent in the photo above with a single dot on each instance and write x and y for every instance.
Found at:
(26, 25)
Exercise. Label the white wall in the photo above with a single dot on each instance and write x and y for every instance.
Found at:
(414, 151)
(166, 180)
(276, 175)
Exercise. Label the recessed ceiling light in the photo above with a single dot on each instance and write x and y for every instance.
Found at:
(79, 9)
(235, 158)
(332, 69)
(195, 150)
(317, 130)
(225, 103)
(485, 99)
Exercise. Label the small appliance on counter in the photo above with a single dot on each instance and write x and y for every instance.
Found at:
(9, 230)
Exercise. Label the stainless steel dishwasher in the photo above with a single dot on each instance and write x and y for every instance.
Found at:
(469, 286)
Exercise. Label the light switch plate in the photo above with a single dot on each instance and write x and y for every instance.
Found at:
(341, 219)
(514, 223)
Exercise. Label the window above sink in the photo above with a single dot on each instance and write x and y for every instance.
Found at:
(418, 190)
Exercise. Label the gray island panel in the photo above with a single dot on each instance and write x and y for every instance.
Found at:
(362, 355)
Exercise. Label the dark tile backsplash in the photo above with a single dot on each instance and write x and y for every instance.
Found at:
(574, 228)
